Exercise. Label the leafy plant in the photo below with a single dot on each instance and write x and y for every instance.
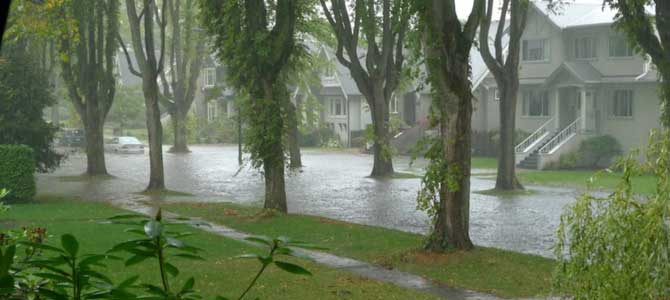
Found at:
(596, 150)
(158, 244)
(17, 165)
(617, 246)
(276, 247)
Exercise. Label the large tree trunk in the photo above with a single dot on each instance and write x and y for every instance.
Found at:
(293, 137)
(155, 131)
(95, 145)
(383, 156)
(506, 179)
(180, 134)
(451, 230)
(275, 191)
(239, 136)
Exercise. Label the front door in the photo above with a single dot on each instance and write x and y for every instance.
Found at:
(571, 104)
(409, 109)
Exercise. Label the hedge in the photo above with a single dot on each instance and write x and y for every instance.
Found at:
(17, 165)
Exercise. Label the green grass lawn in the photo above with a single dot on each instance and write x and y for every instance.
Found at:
(480, 162)
(644, 185)
(503, 273)
(221, 274)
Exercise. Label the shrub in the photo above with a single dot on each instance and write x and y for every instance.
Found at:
(17, 165)
(317, 137)
(598, 150)
(567, 161)
(616, 247)
(487, 143)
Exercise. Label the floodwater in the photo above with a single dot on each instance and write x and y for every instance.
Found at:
(333, 185)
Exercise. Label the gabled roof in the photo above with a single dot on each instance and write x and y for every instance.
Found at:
(583, 71)
(579, 13)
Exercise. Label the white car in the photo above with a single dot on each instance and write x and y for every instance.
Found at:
(125, 145)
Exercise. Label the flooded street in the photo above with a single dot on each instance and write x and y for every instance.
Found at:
(332, 184)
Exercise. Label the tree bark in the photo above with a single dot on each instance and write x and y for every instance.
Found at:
(180, 133)
(293, 137)
(95, 146)
(155, 132)
(506, 178)
(239, 136)
(275, 192)
(383, 156)
(452, 230)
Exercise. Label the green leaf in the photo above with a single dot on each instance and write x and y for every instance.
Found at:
(126, 216)
(188, 285)
(171, 269)
(174, 242)
(153, 229)
(70, 244)
(136, 260)
(292, 268)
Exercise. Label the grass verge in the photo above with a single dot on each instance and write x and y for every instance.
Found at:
(644, 185)
(504, 273)
(219, 275)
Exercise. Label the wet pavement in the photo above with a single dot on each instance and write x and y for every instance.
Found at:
(332, 184)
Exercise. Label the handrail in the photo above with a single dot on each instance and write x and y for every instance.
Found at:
(531, 139)
(566, 133)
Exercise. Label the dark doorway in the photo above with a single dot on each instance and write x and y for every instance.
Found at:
(409, 109)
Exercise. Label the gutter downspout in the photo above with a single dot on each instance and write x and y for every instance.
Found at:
(647, 69)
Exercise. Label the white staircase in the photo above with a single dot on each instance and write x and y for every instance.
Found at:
(549, 148)
(533, 141)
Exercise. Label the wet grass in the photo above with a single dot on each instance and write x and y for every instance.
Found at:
(85, 178)
(480, 162)
(221, 274)
(506, 194)
(503, 273)
(644, 185)
(165, 193)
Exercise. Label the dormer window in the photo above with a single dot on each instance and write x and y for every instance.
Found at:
(619, 47)
(210, 77)
(585, 48)
(329, 73)
(535, 50)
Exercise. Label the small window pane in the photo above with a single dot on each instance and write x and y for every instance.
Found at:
(535, 104)
(534, 50)
(619, 47)
(622, 104)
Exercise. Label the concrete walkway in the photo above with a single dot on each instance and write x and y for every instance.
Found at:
(363, 269)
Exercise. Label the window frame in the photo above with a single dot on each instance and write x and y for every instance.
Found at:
(212, 111)
(614, 108)
(532, 95)
(580, 48)
(525, 50)
(333, 103)
(209, 75)
(629, 48)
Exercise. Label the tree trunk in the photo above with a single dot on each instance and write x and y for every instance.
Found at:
(451, 229)
(239, 136)
(155, 131)
(293, 137)
(275, 192)
(95, 145)
(506, 179)
(180, 135)
(383, 156)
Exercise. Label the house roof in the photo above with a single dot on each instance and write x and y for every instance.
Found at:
(582, 71)
(578, 14)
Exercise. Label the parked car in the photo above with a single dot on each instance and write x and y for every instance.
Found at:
(72, 138)
(125, 145)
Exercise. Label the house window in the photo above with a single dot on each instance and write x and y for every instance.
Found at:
(329, 72)
(212, 112)
(394, 105)
(622, 104)
(210, 77)
(337, 107)
(585, 48)
(619, 47)
(535, 104)
(535, 50)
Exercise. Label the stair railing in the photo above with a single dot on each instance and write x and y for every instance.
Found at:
(567, 132)
(534, 137)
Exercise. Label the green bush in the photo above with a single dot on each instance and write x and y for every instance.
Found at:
(17, 165)
(616, 246)
(599, 150)
(567, 161)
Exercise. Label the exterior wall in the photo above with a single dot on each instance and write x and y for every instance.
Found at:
(531, 123)
(539, 27)
(608, 66)
(632, 132)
